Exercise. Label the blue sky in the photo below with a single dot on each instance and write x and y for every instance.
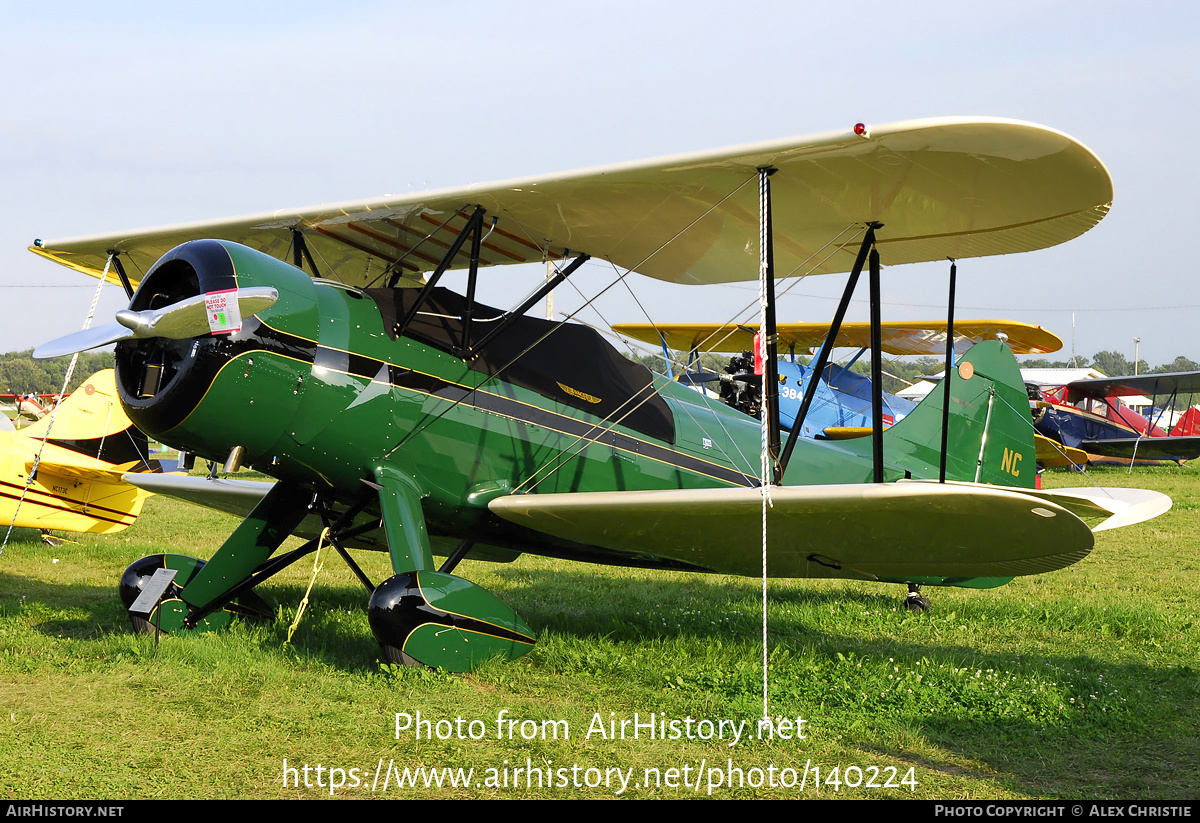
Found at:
(123, 115)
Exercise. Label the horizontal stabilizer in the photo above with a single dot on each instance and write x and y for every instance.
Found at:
(1119, 507)
(98, 474)
(1106, 508)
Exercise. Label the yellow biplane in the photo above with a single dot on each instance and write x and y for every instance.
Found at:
(77, 486)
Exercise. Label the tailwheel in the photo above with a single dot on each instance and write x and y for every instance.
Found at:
(915, 602)
(438, 620)
(171, 612)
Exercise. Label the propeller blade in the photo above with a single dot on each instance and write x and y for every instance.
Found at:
(82, 341)
(697, 378)
(178, 321)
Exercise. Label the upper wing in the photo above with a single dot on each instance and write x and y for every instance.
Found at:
(948, 187)
(1145, 384)
(899, 337)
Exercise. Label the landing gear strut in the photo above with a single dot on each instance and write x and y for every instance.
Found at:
(170, 613)
(915, 602)
(423, 617)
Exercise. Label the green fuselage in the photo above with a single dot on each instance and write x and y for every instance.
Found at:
(316, 391)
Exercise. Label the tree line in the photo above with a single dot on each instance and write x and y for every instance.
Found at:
(21, 374)
(1114, 364)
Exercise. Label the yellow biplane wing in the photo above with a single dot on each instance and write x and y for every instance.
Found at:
(926, 337)
(63, 466)
(944, 187)
(78, 485)
(1057, 455)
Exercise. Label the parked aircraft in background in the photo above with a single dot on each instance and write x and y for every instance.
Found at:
(1088, 415)
(78, 485)
(842, 404)
(27, 407)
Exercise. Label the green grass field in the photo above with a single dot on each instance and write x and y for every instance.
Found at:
(1084, 683)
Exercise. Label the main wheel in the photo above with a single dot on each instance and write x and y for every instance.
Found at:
(171, 610)
(442, 621)
(914, 602)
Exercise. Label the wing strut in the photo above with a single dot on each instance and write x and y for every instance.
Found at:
(472, 278)
(473, 227)
(116, 259)
(949, 368)
(300, 252)
(1170, 404)
(1108, 401)
(667, 356)
(510, 316)
(770, 336)
(818, 368)
(769, 405)
(876, 371)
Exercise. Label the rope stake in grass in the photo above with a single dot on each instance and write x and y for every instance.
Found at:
(317, 566)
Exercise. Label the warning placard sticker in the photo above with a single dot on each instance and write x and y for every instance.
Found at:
(224, 315)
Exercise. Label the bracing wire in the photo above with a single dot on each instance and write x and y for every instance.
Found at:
(767, 469)
(37, 460)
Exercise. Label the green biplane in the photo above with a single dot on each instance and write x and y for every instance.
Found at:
(401, 416)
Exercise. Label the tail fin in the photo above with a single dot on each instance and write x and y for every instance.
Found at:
(990, 437)
(1189, 424)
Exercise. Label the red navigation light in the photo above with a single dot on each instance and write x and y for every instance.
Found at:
(861, 130)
